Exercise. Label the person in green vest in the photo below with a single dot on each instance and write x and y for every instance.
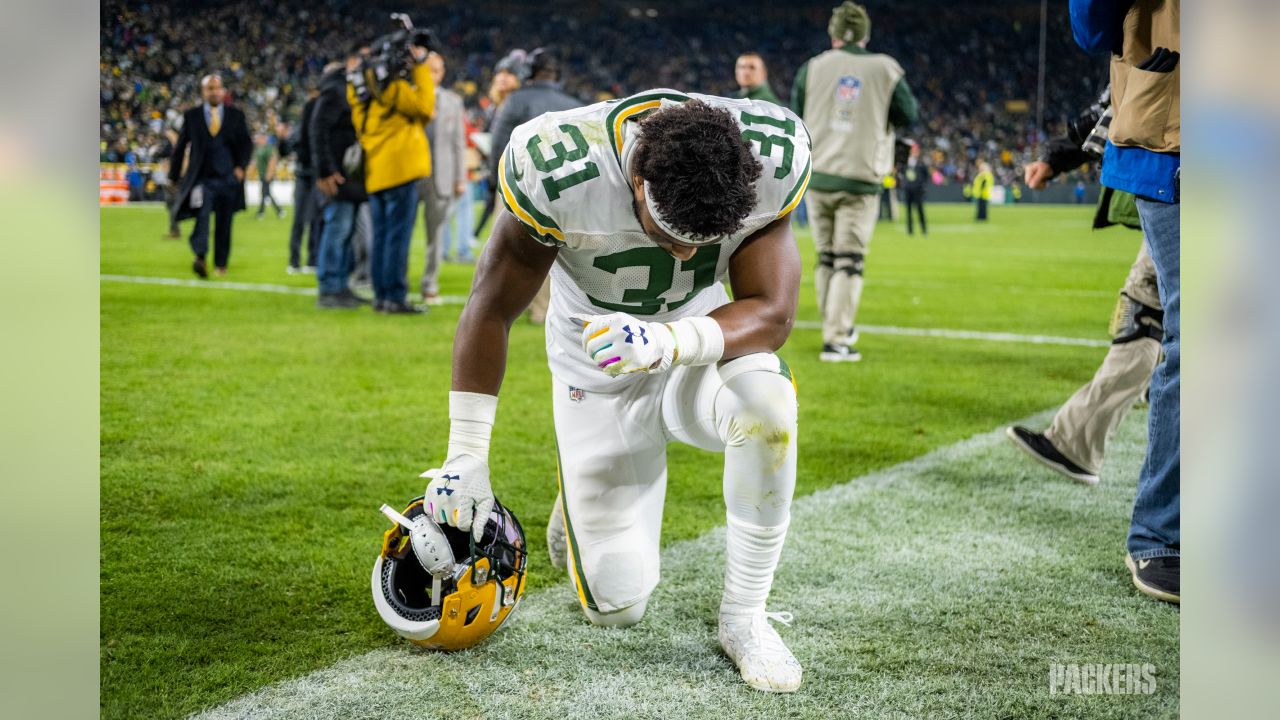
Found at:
(753, 79)
(851, 101)
(982, 184)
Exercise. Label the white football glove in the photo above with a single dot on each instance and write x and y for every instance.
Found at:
(459, 494)
(620, 344)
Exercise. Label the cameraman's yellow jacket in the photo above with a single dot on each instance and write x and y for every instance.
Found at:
(395, 138)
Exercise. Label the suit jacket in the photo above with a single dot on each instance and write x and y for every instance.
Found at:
(195, 134)
(449, 149)
(917, 181)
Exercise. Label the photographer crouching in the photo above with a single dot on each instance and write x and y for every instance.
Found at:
(392, 96)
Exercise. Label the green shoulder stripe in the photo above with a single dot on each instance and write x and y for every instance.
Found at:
(797, 190)
(785, 370)
(538, 223)
(630, 107)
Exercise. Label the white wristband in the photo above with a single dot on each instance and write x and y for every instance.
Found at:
(699, 341)
(471, 417)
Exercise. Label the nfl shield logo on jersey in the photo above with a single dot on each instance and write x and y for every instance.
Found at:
(577, 394)
(848, 89)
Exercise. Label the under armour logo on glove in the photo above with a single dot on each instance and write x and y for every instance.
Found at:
(465, 506)
(447, 479)
(620, 344)
(631, 336)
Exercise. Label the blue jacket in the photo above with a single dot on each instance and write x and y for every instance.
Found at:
(1098, 27)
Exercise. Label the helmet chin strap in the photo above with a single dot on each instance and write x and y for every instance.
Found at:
(396, 517)
(429, 547)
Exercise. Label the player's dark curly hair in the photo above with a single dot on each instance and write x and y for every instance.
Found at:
(701, 172)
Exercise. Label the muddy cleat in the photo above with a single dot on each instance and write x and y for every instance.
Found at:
(1038, 446)
(756, 648)
(557, 538)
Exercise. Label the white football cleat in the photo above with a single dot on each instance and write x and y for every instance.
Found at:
(758, 651)
(557, 538)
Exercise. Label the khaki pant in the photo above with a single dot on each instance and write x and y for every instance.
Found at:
(1086, 422)
(842, 227)
(435, 212)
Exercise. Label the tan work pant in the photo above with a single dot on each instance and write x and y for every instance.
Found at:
(435, 213)
(1086, 422)
(842, 226)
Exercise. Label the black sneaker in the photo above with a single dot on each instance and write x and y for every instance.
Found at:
(1158, 577)
(401, 308)
(839, 353)
(198, 267)
(337, 301)
(1038, 446)
(348, 294)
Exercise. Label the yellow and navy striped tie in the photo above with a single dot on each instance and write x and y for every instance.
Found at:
(215, 121)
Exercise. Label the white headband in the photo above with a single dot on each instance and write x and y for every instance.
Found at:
(686, 238)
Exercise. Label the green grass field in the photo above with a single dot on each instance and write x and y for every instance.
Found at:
(249, 438)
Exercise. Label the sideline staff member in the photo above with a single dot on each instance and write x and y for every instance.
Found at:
(851, 100)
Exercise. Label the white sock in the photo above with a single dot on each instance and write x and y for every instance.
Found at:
(752, 553)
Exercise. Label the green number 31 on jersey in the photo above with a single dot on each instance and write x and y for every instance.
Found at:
(561, 154)
(770, 142)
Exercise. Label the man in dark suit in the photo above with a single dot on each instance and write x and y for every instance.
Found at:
(212, 181)
(915, 179)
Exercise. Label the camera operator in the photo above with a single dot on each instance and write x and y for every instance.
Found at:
(390, 123)
(1075, 442)
(329, 135)
(1143, 156)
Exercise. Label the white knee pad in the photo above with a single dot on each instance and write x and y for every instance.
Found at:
(756, 419)
(619, 618)
(758, 399)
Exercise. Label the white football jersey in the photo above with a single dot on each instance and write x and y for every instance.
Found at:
(564, 176)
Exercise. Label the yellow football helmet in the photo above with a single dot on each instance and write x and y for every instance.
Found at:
(439, 588)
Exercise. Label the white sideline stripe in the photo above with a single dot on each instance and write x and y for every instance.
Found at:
(801, 324)
(401, 674)
(211, 285)
(243, 287)
(965, 335)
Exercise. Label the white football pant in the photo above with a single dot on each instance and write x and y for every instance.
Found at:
(613, 476)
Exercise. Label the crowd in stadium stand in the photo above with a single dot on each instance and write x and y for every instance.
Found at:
(973, 71)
